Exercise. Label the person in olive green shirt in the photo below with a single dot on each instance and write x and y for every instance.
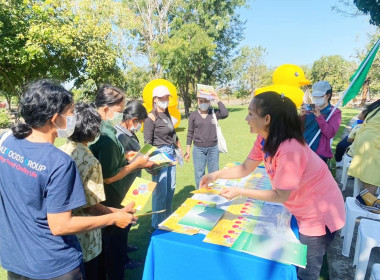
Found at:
(110, 102)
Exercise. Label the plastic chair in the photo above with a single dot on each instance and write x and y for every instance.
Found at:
(358, 185)
(353, 211)
(368, 238)
(375, 272)
(346, 164)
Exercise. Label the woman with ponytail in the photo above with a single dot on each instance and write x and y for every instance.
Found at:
(300, 180)
(39, 187)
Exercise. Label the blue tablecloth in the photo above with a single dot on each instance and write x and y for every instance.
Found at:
(177, 256)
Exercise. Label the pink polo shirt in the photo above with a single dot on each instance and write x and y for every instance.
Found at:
(315, 199)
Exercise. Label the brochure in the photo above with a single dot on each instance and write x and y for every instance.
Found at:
(161, 160)
(205, 91)
(275, 249)
(146, 150)
(202, 217)
(139, 192)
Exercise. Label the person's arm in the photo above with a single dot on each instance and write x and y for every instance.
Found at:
(222, 112)
(140, 162)
(149, 129)
(278, 196)
(330, 128)
(64, 224)
(100, 209)
(190, 136)
(238, 171)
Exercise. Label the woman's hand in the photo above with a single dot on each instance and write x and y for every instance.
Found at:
(231, 192)
(207, 179)
(123, 219)
(141, 161)
(130, 154)
(187, 154)
(129, 208)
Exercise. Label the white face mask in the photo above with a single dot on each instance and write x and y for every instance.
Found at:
(94, 141)
(137, 128)
(318, 101)
(163, 104)
(116, 119)
(204, 106)
(70, 127)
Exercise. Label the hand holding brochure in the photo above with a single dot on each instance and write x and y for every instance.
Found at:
(146, 150)
(161, 160)
(139, 192)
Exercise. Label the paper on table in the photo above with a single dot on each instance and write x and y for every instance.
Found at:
(202, 217)
(271, 248)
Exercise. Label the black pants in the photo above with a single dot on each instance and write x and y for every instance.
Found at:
(114, 254)
(316, 249)
(91, 268)
(341, 149)
(76, 274)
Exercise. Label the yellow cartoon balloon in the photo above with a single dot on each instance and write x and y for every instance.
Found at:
(173, 99)
(287, 79)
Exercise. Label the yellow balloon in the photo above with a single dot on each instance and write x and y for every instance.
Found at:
(287, 79)
(176, 115)
(148, 93)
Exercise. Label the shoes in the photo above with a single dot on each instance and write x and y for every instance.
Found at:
(132, 264)
(339, 164)
(132, 248)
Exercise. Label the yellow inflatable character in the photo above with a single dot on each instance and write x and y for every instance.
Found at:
(287, 79)
(173, 99)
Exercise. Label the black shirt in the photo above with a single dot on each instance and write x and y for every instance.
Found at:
(159, 132)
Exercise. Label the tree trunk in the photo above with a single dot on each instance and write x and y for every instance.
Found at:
(186, 100)
(364, 93)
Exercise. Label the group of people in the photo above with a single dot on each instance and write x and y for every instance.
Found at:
(60, 209)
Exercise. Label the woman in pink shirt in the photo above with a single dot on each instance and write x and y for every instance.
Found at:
(300, 180)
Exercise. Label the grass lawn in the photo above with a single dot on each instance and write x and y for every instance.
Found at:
(239, 142)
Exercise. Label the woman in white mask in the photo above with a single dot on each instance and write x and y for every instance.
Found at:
(315, 119)
(110, 102)
(202, 132)
(159, 131)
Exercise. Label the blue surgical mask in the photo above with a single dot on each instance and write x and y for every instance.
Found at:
(70, 127)
(116, 119)
(137, 128)
(204, 106)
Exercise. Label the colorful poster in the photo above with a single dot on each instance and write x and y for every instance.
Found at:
(202, 217)
(139, 192)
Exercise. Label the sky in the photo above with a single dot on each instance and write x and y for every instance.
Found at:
(302, 31)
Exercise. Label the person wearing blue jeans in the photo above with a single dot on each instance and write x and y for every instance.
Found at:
(203, 156)
(159, 131)
(202, 131)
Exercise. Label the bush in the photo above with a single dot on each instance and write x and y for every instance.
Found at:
(5, 119)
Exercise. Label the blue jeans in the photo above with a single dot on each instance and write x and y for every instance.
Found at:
(201, 156)
(162, 196)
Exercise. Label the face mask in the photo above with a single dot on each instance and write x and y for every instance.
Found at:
(94, 141)
(117, 118)
(163, 104)
(318, 101)
(70, 127)
(204, 106)
(137, 128)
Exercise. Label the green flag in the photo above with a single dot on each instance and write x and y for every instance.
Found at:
(359, 76)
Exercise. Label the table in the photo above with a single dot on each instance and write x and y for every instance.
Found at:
(173, 256)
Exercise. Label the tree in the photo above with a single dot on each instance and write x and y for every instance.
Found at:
(184, 56)
(249, 69)
(61, 40)
(370, 7)
(334, 69)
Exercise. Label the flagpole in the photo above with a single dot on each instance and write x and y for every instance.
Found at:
(345, 92)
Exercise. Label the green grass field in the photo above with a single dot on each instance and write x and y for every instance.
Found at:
(239, 141)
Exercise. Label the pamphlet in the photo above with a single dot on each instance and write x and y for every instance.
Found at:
(139, 192)
(275, 249)
(205, 91)
(146, 150)
(202, 217)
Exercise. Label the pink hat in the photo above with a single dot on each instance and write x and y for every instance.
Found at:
(161, 91)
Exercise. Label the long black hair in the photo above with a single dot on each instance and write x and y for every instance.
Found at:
(371, 107)
(284, 120)
(38, 105)
(87, 125)
(134, 109)
(109, 95)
